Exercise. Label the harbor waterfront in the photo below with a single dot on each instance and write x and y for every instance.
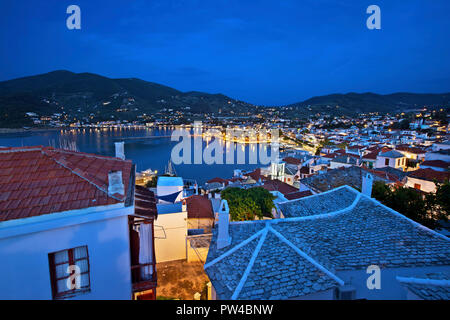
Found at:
(148, 148)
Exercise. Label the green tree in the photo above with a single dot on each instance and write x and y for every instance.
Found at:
(441, 200)
(247, 204)
(424, 209)
(152, 182)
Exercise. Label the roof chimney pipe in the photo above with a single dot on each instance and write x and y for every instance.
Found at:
(115, 183)
(120, 150)
(223, 238)
(367, 182)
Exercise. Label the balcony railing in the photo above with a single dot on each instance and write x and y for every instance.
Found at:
(143, 277)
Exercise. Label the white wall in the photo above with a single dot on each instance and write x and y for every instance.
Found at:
(426, 186)
(170, 236)
(24, 267)
(380, 163)
(335, 165)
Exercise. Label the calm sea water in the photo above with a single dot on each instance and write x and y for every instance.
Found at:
(148, 148)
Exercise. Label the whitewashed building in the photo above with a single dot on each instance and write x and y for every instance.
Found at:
(73, 226)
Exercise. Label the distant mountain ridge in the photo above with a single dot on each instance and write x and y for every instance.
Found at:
(82, 95)
(372, 102)
(86, 94)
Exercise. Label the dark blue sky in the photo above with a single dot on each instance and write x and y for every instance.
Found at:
(265, 52)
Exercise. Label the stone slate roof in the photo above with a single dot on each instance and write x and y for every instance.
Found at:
(392, 154)
(293, 257)
(399, 173)
(436, 289)
(337, 199)
(346, 160)
(351, 176)
(297, 276)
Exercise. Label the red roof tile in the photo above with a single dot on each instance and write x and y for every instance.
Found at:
(407, 148)
(430, 175)
(436, 163)
(291, 160)
(145, 202)
(277, 185)
(42, 180)
(218, 180)
(256, 175)
(199, 207)
(298, 195)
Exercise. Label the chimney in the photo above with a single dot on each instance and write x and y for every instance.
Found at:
(115, 184)
(367, 181)
(120, 150)
(223, 238)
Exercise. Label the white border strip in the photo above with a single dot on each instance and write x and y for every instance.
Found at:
(240, 245)
(318, 194)
(307, 257)
(250, 264)
(320, 216)
(430, 282)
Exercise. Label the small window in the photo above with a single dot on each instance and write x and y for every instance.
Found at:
(386, 162)
(417, 186)
(69, 272)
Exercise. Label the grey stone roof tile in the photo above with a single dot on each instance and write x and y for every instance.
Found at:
(429, 291)
(357, 236)
(228, 272)
(319, 204)
(279, 271)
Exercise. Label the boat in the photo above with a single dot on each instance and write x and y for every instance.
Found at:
(170, 170)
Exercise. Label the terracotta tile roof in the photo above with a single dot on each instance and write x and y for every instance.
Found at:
(292, 160)
(410, 149)
(436, 163)
(42, 180)
(430, 175)
(330, 155)
(218, 180)
(277, 185)
(256, 175)
(199, 207)
(145, 202)
(372, 155)
(298, 195)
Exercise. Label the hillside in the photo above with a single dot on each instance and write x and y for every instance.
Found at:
(352, 103)
(87, 95)
(91, 97)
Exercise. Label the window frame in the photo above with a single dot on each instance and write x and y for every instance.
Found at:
(71, 261)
